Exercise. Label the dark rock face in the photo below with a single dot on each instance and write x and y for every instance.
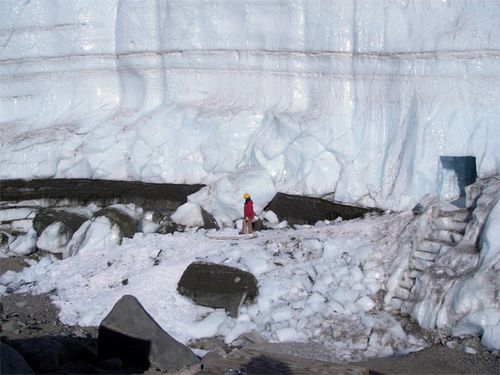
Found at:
(298, 209)
(128, 332)
(45, 217)
(11, 362)
(126, 223)
(218, 286)
(164, 197)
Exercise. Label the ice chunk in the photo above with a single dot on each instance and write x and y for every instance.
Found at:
(282, 313)
(289, 334)
(366, 303)
(209, 326)
(189, 214)
(93, 234)
(312, 246)
(332, 249)
(270, 217)
(53, 238)
(24, 244)
(148, 226)
(257, 263)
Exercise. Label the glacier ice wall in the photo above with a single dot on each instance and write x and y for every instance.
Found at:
(358, 99)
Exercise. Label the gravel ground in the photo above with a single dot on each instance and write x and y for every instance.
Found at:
(29, 323)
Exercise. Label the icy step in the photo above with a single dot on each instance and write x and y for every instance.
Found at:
(424, 255)
(462, 214)
(414, 273)
(396, 303)
(420, 264)
(407, 283)
(432, 246)
(401, 293)
(447, 223)
(446, 235)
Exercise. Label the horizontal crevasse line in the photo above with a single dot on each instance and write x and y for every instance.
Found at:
(462, 55)
(310, 75)
(334, 66)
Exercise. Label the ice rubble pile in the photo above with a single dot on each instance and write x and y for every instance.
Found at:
(446, 275)
(322, 283)
(317, 283)
(356, 98)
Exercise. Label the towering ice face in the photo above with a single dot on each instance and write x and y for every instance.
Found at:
(355, 98)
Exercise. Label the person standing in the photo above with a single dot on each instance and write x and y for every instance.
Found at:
(248, 214)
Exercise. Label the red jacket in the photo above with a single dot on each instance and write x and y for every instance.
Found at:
(248, 209)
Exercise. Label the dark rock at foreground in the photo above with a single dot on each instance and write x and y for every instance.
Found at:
(11, 362)
(218, 286)
(128, 332)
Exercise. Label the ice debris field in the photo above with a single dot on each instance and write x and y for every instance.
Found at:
(342, 283)
(316, 283)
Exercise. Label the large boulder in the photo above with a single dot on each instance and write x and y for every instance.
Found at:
(298, 209)
(130, 333)
(218, 286)
(126, 223)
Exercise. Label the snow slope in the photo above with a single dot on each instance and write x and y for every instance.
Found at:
(355, 98)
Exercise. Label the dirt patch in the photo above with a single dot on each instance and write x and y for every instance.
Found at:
(436, 360)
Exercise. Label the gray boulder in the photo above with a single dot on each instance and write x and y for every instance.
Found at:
(208, 220)
(12, 362)
(126, 223)
(218, 286)
(128, 332)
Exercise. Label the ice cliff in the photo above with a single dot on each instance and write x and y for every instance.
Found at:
(357, 100)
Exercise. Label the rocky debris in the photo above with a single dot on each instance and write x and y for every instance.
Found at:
(11, 362)
(29, 324)
(218, 286)
(126, 223)
(45, 217)
(128, 332)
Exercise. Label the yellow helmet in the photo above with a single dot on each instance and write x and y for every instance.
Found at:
(246, 196)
